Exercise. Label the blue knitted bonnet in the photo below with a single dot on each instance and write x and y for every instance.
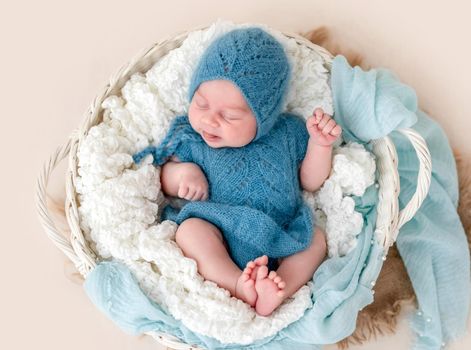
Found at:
(256, 63)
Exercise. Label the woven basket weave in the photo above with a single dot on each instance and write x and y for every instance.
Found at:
(77, 249)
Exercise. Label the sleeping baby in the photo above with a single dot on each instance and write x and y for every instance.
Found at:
(242, 165)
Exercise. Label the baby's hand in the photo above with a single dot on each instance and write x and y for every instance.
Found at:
(193, 184)
(322, 128)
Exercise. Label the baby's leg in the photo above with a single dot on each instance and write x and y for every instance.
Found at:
(203, 242)
(297, 269)
(294, 271)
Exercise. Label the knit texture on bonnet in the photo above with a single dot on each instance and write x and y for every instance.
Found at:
(256, 63)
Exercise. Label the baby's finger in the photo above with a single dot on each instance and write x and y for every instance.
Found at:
(196, 196)
(203, 195)
(328, 127)
(311, 122)
(314, 131)
(318, 117)
(190, 194)
(183, 191)
(200, 195)
(318, 113)
(324, 121)
(337, 130)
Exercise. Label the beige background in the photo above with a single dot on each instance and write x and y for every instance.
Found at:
(56, 55)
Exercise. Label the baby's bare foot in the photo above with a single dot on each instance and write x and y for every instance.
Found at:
(245, 285)
(270, 291)
(245, 288)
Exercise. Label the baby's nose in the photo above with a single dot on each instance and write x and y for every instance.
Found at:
(211, 120)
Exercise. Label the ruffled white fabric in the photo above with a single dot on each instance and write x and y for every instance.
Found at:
(119, 202)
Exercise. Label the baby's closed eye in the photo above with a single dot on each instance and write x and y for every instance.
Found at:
(231, 117)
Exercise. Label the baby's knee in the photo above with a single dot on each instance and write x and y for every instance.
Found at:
(196, 230)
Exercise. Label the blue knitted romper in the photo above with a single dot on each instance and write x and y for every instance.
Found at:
(254, 191)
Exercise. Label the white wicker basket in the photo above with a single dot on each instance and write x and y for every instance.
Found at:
(76, 248)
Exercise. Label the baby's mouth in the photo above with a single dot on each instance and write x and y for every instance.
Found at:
(210, 137)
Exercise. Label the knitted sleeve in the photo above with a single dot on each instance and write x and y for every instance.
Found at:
(181, 140)
(298, 136)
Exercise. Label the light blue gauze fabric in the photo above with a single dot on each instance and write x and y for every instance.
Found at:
(433, 245)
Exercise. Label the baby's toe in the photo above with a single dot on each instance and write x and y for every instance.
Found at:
(272, 275)
(253, 274)
(280, 293)
(277, 279)
(262, 272)
(244, 277)
(251, 264)
(261, 260)
(282, 284)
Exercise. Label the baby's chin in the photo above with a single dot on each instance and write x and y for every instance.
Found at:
(220, 144)
(212, 145)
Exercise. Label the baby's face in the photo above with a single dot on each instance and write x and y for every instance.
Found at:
(219, 113)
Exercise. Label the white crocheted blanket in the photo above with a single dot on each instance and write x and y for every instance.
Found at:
(119, 202)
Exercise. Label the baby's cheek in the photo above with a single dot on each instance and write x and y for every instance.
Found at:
(251, 131)
(192, 117)
(231, 136)
(238, 137)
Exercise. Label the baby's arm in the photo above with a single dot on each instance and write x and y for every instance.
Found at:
(317, 163)
(184, 180)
